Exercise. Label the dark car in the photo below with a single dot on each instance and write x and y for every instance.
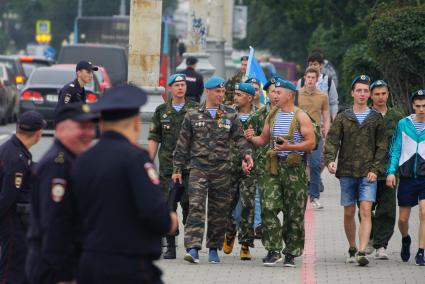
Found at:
(29, 63)
(112, 57)
(8, 96)
(15, 66)
(43, 86)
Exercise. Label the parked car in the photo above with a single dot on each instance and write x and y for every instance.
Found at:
(8, 96)
(43, 86)
(112, 57)
(103, 78)
(15, 66)
(29, 63)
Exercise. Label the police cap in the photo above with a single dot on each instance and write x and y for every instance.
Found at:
(246, 88)
(280, 83)
(214, 82)
(31, 121)
(176, 78)
(120, 102)
(378, 83)
(364, 79)
(76, 112)
(87, 65)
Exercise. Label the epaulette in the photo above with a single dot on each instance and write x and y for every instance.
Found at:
(72, 85)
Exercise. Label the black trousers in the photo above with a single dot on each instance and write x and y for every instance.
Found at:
(101, 268)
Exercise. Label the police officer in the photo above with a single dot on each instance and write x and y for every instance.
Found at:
(204, 143)
(52, 237)
(15, 188)
(74, 91)
(165, 129)
(122, 211)
(194, 80)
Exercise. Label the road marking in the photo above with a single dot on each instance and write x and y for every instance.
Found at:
(4, 136)
(308, 269)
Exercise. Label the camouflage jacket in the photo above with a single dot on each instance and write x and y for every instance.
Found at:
(361, 148)
(206, 140)
(165, 129)
(391, 119)
(230, 88)
(256, 120)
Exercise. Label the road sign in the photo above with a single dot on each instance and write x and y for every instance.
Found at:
(42, 27)
(49, 52)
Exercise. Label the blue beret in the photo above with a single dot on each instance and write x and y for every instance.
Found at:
(363, 78)
(418, 93)
(176, 78)
(252, 80)
(246, 88)
(285, 84)
(120, 102)
(378, 83)
(214, 82)
(272, 81)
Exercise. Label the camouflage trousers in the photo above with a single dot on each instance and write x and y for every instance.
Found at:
(213, 182)
(243, 188)
(287, 193)
(166, 184)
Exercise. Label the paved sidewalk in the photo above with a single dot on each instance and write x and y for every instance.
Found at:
(323, 260)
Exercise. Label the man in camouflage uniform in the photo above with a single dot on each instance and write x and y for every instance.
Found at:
(205, 140)
(243, 186)
(383, 219)
(165, 129)
(357, 136)
(238, 77)
(290, 133)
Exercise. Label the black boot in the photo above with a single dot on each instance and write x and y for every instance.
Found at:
(170, 253)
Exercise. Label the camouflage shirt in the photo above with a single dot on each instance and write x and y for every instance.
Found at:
(391, 119)
(165, 129)
(361, 148)
(230, 88)
(206, 140)
(256, 120)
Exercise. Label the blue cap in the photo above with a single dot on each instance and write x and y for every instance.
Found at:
(378, 83)
(362, 78)
(285, 84)
(252, 80)
(418, 93)
(176, 78)
(214, 82)
(272, 81)
(31, 121)
(246, 88)
(120, 102)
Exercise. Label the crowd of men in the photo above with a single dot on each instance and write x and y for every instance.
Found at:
(230, 162)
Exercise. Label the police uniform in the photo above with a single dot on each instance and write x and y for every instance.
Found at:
(15, 190)
(122, 210)
(194, 81)
(73, 92)
(205, 141)
(52, 236)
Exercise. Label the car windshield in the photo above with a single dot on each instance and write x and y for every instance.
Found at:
(54, 77)
(30, 66)
(9, 64)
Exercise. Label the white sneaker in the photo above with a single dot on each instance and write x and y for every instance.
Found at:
(381, 253)
(315, 204)
(369, 248)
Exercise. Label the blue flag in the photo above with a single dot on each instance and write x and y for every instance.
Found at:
(254, 70)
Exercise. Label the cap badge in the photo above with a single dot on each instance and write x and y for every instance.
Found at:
(420, 92)
(363, 77)
(58, 189)
(221, 85)
(18, 180)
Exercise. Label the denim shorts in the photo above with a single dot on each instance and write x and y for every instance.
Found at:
(410, 191)
(356, 189)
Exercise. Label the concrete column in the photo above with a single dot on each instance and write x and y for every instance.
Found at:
(215, 40)
(144, 53)
(230, 67)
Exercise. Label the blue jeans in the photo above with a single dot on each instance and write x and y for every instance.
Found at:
(357, 189)
(314, 165)
(257, 212)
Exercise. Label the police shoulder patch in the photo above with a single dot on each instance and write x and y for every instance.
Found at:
(152, 173)
(18, 180)
(60, 158)
(67, 98)
(58, 189)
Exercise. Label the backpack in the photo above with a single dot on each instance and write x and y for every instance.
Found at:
(329, 83)
(294, 124)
